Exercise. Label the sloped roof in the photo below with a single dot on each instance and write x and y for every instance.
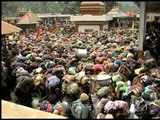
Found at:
(11, 18)
(29, 18)
(7, 28)
(116, 13)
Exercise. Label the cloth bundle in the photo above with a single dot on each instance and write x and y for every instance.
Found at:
(89, 69)
(72, 89)
(116, 78)
(53, 81)
(60, 106)
(69, 78)
(58, 68)
(104, 91)
(118, 104)
(38, 79)
(98, 67)
(71, 71)
(45, 106)
(20, 71)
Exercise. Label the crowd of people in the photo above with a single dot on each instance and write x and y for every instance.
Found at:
(83, 75)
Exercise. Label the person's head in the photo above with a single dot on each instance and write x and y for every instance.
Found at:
(14, 53)
(84, 98)
(156, 19)
(156, 83)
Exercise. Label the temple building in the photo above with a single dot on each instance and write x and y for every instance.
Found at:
(92, 17)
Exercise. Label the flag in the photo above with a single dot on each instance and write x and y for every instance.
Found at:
(38, 33)
(52, 29)
(118, 32)
(133, 26)
(45, 29)
(55, 29)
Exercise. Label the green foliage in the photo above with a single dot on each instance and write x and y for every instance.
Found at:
(109, 5)
(71, 7)
(10, 9)
(64, 7)
(128, 6)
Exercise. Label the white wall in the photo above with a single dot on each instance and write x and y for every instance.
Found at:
(82, 28)
(105, 26)
(92, 18)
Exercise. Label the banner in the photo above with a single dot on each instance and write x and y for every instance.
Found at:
(39, 32)
(56, 29)
(45, 29)
(52, 29)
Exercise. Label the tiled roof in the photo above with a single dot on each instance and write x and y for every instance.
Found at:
(29, 18)
(8, 28)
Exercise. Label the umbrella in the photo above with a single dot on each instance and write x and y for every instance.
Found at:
(8, 28)
(29, 18)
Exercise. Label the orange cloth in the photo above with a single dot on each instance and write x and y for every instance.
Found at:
(39, 32)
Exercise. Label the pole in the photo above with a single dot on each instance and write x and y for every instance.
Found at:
(141, 29)
(4, 40)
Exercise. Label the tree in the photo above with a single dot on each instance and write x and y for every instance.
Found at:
(71, 7)
(109, 5)
(10, 9)
(63, 7)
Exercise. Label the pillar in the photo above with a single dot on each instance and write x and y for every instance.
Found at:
(142, 29)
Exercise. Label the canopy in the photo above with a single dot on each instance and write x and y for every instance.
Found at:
(116, 13)
(113, 12)
(29, 18)
(8, 28)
